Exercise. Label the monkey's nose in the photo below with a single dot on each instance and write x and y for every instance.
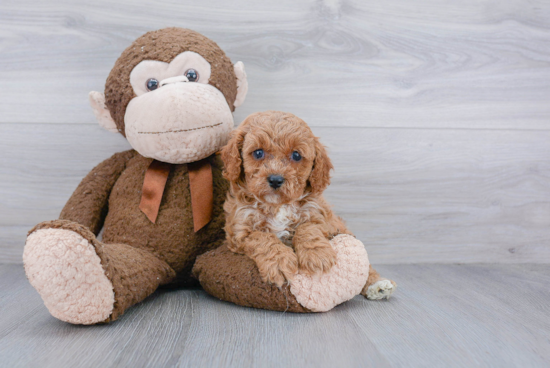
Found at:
(176, 79)
(275, 181)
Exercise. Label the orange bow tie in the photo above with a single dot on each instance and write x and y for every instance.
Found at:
(200, 186)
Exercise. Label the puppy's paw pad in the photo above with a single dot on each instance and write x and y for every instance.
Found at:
(278, 269)
(382, 289)
(317, 260)
(274, 277)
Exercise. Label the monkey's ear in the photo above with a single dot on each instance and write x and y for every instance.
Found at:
(242, 83)
(103, 116)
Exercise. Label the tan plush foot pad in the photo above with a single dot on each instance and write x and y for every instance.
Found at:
(67, 273)
(344, 281)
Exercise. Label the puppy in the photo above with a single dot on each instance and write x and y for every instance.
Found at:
(275, 210)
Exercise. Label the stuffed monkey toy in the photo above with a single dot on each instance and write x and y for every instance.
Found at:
(160, 205)
(171, 94)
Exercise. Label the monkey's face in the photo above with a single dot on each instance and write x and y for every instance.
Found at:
(177, 116)
(172, 93)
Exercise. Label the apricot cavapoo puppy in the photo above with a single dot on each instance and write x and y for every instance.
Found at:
(275, 210)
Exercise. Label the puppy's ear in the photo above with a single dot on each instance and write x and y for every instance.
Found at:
(319, 179)
(231, 155)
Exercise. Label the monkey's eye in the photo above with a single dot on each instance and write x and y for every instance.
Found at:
(152, 84)
(296, 156)
(192, 75)
(258, 154)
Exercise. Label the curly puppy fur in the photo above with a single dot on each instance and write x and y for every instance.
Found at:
(289, 227)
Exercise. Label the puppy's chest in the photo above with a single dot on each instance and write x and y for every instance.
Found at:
(283, 223)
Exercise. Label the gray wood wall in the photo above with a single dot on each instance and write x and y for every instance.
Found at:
(436, 113)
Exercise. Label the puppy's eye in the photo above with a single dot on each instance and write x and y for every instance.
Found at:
(258, 154)
(296, 156)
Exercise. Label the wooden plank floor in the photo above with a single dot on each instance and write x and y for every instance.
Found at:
(442, 315)
(412, 197)
(436, 113)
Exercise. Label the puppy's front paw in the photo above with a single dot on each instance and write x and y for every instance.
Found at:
(381, 289)
(279, 265)
(319, 258)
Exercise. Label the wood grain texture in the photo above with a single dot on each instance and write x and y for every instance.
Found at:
(437, 64)
(411, 195)
(436, 114)
(441, 315)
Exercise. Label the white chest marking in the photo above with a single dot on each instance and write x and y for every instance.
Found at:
(282, 222)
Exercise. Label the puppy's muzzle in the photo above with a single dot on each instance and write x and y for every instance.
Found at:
(275, 181)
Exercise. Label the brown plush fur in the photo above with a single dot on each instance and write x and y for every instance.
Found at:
(117, 184)
(286, 228)
(164, 45)
(141, 255)
(136, 254)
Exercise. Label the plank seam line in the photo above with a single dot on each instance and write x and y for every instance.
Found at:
(339, 127)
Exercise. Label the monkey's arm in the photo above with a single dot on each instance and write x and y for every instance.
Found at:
(89, 203)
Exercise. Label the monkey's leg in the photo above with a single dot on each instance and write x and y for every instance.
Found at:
(236, 278)
(378, 287)
(84, 281)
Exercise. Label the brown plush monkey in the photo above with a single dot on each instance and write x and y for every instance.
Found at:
(171, 94)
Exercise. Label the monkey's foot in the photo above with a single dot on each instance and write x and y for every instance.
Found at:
(381, 289)
(66, 271)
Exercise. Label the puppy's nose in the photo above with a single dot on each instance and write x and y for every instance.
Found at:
(275, 181)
